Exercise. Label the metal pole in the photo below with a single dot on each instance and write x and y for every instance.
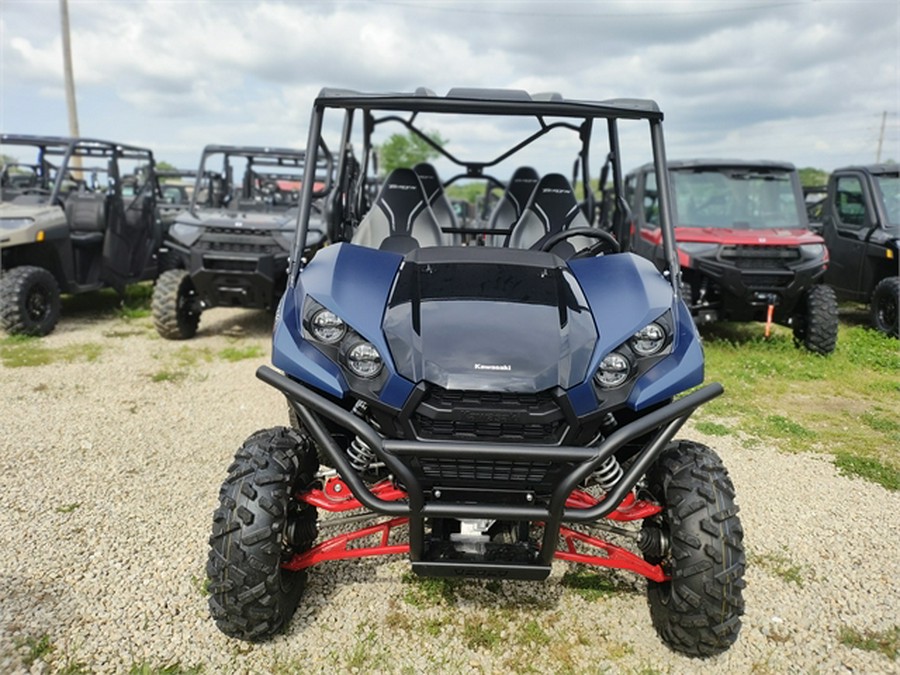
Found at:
(881, 137)
(69, 76)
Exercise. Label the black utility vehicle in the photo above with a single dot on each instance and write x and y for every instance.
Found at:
(80, 217)
(485, 410)
(230, 247)
(744, 243)
(860, 221)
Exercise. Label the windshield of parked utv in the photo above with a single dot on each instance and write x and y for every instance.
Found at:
(735, 198)
(890, 196)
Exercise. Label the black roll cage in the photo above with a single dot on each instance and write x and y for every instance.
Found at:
(69, 147)
(263, 156)
(497, 102)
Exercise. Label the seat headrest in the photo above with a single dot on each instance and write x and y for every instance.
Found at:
(553, 201)
(401, 199)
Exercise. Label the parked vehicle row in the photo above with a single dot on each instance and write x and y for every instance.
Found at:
(80, 216)
(859, 219)
(484, 394)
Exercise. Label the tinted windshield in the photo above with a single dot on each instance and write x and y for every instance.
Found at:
(735, 198)
(890, 196)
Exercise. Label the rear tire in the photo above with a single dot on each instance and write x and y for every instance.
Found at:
(885, 299)
(816, 320)
(175, 306)
(257, 526)
(29, 301)
(697, 612)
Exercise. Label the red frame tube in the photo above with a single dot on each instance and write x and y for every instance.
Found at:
(336, 497)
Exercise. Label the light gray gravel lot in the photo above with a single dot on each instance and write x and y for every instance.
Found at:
(109, 472)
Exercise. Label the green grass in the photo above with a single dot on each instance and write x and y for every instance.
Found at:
(429, 592)
(778, 394)
(782, 567)
(67, 508)
(241, 353)
(886, 642)
(592, 586)
(38, 648)
(136, 301)
(484, 634)
(19, 351)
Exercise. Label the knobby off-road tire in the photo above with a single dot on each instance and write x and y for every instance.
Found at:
(816, 320)
(29, 301)
(256, 527)
(174, 306)
(697, 612)
(885, 299)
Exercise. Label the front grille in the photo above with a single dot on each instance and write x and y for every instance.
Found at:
(500, 471)
(760, 257)
(489, 416)
(226, 265)
(759, 282)
(225, 240)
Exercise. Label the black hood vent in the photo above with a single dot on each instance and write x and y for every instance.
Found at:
(489, 320)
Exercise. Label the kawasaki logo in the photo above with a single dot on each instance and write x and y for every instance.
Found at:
(492, 366)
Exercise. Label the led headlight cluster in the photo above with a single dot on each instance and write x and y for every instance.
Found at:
(619, 365)
(327, 327)
(348, 347)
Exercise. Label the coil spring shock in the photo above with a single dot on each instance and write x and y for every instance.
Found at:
(361, 455)
(608, 474)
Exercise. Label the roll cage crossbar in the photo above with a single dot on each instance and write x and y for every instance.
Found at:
(492, 102)
(75, 147)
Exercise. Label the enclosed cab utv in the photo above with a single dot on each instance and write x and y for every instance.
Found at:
(230, 247)
(860, 221)
(80, 217)
(744, 244)
(483, 410)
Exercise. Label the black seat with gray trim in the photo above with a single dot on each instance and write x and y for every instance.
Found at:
(551, 209)
(86, 213)
(400, 220)
(437, 199)
(512, 203)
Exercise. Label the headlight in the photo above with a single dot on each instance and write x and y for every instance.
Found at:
(15, 223)
(327, 327)
(696, 248)
(613, 371)
(364, 360)
(187, 234)
(812, 251)
(649, 340)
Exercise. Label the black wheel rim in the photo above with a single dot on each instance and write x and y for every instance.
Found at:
(37, 304)
(887, 313)
(186, 301)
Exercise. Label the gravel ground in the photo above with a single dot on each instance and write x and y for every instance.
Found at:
(109, 473)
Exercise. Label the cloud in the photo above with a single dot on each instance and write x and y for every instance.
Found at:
(787, 74)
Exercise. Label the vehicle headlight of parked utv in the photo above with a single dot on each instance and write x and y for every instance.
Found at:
(474, 395)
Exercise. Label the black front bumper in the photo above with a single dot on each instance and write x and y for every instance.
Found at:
(401, 456)
(750, 278)
(236, 269)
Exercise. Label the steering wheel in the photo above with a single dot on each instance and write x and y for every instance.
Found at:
(605, 241)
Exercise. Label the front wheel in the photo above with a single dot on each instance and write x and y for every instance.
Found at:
(258, 526)
(175, 306)
(29, 301)
(700, 547)
(885, 299)
(816, 320)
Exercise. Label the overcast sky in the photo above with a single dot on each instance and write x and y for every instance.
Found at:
(805, 81)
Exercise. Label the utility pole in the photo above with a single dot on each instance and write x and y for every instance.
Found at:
(69, 76)
(881, 137)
